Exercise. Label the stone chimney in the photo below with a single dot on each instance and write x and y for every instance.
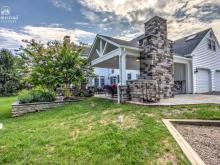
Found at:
(66, 39)
(156, 61)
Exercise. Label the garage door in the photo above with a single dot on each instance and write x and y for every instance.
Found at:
(217, 81)
(203, 81)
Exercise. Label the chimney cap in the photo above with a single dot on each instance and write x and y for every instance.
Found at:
(155, 17)
(66, 37)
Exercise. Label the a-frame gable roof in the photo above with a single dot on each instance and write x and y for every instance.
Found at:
(92, 55)
(116, 42)
(121, 42)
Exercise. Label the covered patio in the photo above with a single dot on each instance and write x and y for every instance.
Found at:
(108, 54)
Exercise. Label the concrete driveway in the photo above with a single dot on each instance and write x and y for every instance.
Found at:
(187, 99)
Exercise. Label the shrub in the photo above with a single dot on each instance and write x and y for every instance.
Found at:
(25, 96)
(38, 94)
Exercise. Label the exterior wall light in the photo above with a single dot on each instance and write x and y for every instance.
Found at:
(196, 70)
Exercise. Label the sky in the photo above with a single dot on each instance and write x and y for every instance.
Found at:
(46, 20)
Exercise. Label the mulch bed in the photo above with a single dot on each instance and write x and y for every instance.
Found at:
(205, 140)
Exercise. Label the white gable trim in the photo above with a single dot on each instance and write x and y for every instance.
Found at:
(108, 56)
(111, 42)
(121, 46)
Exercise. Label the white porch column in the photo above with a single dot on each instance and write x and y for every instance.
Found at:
(122, 68)
(99, 81)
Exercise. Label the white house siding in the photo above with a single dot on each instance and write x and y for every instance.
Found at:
(205, 59)
(108, 73)
(115, 72)
(100, 72)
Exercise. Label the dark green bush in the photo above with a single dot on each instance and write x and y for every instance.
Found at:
(38, 94)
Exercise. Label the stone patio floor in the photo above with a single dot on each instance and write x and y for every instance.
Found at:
(184, 99)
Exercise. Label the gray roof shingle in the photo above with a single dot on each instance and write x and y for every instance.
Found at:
(185, 46)
(120, 42)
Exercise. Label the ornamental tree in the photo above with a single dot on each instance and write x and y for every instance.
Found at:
(56, 63)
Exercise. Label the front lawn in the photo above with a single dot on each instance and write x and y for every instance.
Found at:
(87, 132)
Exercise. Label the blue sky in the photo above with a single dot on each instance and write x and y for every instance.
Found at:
(46, 20)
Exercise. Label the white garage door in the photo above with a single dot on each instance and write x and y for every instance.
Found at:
(203, 81)
(217, 81)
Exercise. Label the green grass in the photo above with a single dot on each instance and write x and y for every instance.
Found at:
(5, 107)
(87, 133)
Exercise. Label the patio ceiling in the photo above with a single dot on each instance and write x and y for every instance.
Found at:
(131, 63)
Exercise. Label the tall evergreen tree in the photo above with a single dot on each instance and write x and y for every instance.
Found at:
(9, 81)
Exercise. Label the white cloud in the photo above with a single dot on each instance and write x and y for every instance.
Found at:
(62, 4)
(55, 25)
(183, 16)
(13, 39)
(91, 16)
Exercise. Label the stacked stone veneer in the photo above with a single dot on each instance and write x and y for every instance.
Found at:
(124, 93)
(22, 109)
(144, 90)
(156, 65)
(156, 61)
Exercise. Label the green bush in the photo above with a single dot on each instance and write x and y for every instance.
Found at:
(25, 96)
(38, 94)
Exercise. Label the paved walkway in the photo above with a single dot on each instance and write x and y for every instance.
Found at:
(185, 99)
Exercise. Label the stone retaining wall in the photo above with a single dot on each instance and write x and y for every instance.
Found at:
(22, 109)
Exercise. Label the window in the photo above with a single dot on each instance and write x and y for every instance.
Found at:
(118, 78)
(211, 45)
(102, 81)
(113, 80)
(191, 37)
(97, 82)
(129, 76)
(211, 35)
(137, 76)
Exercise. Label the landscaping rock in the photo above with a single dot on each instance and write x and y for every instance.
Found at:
(205, 140)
